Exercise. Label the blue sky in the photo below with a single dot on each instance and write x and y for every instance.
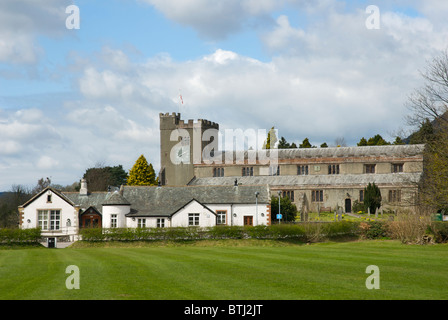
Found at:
(73, 99)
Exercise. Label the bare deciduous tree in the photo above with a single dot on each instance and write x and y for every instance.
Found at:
(431, 100)
(428, 105)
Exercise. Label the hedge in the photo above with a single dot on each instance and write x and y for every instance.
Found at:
(20, 235)
(305, 232)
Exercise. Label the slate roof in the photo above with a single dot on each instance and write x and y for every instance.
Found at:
(164, 201)
(394, 151)
(94, 199)
(398, 151)
(304, 181)
(116, 199)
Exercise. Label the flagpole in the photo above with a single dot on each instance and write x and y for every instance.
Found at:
(181, 101)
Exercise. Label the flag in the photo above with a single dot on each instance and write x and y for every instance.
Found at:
(181, 99)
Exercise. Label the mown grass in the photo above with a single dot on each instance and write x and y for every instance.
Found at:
(224, 270)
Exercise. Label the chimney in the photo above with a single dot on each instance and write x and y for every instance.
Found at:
(83, 189)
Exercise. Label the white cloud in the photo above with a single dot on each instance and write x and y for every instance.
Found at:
(9, 147)
(46, 162)
(215, 19)
(296, 94)
(21, 21)
(283, 35)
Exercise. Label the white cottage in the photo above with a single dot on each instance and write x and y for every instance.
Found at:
(60, 215)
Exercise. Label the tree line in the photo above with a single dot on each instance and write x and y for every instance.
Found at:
(377, 140)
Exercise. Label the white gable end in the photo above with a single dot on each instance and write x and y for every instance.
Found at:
(53, 214)
(194, 214)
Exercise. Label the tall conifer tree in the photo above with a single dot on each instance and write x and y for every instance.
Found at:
(142, 173)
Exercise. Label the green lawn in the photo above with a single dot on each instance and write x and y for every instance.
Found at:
(329, 216)
(245, 271)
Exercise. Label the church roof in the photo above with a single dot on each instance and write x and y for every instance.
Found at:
(394, 151)
(308, 181)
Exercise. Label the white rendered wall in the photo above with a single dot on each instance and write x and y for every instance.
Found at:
(236, 212)
(151, 222)
(67, 212)
(234, 215)
(120, 211)
(206, 218)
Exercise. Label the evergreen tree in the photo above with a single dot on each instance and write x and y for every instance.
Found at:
(377, 140)
(283, 144)
(305, 144)
(424, 134)
(287, 208)
(372, 197)
(100, 177)
(398, 141)
(271, 140)
(324, 145)
(142, 174)
(118, 175)
(362, 142)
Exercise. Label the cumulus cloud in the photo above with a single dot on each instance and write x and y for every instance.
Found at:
(216, 19)
(297, 94)
(26, 129)
(46, 162)
(21, 21)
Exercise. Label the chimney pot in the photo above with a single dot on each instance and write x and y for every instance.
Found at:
(83, 189)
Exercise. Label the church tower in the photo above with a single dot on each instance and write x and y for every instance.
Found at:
(181, 147)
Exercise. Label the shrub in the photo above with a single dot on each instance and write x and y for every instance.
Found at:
(358, 206)
(341, 229)
(226, 232)
(374, 230)
(410, 228)
(31, 235)
(258, 232)
(285, 231)
(440, 230)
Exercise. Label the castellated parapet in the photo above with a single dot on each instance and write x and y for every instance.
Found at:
(172, 121)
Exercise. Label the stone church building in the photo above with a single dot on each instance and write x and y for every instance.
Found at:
(315, 179)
